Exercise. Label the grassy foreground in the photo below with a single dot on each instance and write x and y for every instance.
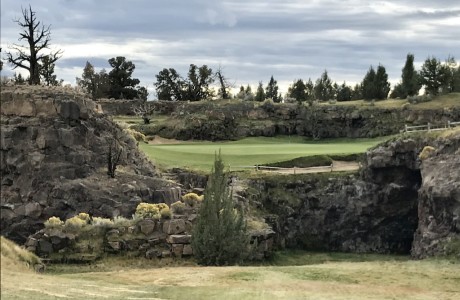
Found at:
(319, 276)
(250, 151)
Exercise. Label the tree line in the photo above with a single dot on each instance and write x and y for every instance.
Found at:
(201, 82)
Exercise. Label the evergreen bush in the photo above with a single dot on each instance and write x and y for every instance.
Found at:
(220, 234)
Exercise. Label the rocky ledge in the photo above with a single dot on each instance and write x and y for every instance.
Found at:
(401, 202)
(53, 158)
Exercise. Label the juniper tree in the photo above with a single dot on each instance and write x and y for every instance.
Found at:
(323, 87)
(219, 237)
(410, 83)
(260, 94)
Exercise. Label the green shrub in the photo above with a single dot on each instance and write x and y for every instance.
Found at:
(178, 207)
(304, 162)
(147, 211)
(53, 222)
(220, 235)
(347, 157)
(192, 199)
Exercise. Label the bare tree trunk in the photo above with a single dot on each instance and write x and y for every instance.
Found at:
(38, 38)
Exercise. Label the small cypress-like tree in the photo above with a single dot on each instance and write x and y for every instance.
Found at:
(220, 236)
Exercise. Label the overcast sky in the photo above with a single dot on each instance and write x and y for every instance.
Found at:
(250, 39)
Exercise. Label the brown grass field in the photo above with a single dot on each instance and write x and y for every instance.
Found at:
(310, 276)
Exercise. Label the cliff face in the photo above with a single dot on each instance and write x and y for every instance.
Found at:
(225, 121)
(439, 201)
(398, 204)
(53, 161)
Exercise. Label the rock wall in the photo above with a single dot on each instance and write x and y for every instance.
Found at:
(211, 120)
(397, 204)
(114, 107)
(53, 161)
(439, 201)
(142, 238)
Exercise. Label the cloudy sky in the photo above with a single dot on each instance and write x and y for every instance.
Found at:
(250, 39)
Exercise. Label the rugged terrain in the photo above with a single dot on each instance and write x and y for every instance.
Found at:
(231, 120)
(398, 204)
(54, 147)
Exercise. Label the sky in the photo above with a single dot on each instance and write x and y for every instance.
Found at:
(250, 40)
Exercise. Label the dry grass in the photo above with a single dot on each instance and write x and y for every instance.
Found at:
(14, 256)
(375, 279)
(440, 102)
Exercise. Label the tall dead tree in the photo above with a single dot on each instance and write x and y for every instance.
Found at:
(30, 56)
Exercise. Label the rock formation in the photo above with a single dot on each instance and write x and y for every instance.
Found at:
(208, 120)
(398, 204)
(54, 147)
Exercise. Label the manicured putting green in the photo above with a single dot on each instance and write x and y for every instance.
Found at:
(250, 151)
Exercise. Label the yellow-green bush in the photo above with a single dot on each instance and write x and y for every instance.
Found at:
(426, 152)
(147, 211)
(192, 199)
(122, 221)
(53, 222)
(178, 207)
(84, 216)
(102, 222)
(138, 136)
(75, 222)
(166, 213)
(162, 206)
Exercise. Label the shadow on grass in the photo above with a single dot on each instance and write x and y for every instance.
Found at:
(301, 258)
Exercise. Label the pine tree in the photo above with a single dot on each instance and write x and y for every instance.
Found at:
(271, 90)
(368, 85)
(382, 86)
(46, 70)
(260, 94)
(344, 92)
(410, 84)
(432, 75)
(219, 237)
(298, 91)
(357, 92)
(323, 88)
(375, 85)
